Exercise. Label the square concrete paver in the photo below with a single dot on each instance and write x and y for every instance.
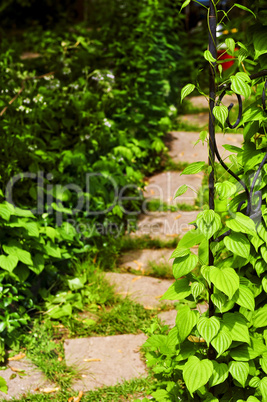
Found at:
(32, 380)
(142, 289)
(182, 149)
(163, 186)
(165, 224)
(139, 259)
(105, 360)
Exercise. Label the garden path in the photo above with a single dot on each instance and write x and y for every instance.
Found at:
(112, 359)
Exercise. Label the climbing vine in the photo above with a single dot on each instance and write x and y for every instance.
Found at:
(221, 354)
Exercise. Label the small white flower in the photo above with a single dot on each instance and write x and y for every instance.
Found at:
(107, 123)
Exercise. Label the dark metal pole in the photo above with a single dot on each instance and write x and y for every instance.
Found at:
(212, 94)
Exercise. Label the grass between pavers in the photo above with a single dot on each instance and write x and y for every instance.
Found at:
(146, 242)
(127, 391)
(156, 205)
(169, 165)
(160, 270)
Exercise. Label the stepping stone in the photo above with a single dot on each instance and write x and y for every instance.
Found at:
(168, 317)
(141, 289)
(139, 259)
(105, 361)
(33, 380)
(200, 119)
(163, 186)
(165, 224)
(182, 149)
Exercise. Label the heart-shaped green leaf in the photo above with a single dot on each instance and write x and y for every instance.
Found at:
(197, 373)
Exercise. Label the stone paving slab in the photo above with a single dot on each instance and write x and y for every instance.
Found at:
(139, 259)
(168, 317)
(165, 224)
(163, 186)
(33, 380)
(141, 289)
(199, 119)
(105, 360)
(182, 149)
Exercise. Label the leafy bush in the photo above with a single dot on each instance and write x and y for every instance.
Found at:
(82, 119)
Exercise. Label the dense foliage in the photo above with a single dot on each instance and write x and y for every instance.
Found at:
(84, 108)
(221, 355)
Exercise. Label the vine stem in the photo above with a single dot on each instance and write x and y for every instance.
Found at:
(212, 95)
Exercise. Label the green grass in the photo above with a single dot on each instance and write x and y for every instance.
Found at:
(189, 108)
(146, 242)
(169, 165)
(159, 206)
(43, 350)
(124, 317)
(160, 270)
(184, 126)
(127, 391)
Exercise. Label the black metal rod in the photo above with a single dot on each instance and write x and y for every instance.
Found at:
(212, 96)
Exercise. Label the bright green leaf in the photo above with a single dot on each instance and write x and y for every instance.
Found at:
(219, 375)
(238, 244)
(184, 265)
(208, 328)
(226, 280)
(263, 388)
(230, 43)
(180, 289)
(208, 56)
(197, 373)
(208, 222)
(181, 190)
(245, 298)
(221, 113)
(241, 223)
(239, 371)
(225, 189)
(239, 85)
(197, 288)
(237, 325)
(3, 385)
(260, 317)
(222, 341)
(193, 168)
(187, 89)
(8, 262)
(186, 319)
(185, 4)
